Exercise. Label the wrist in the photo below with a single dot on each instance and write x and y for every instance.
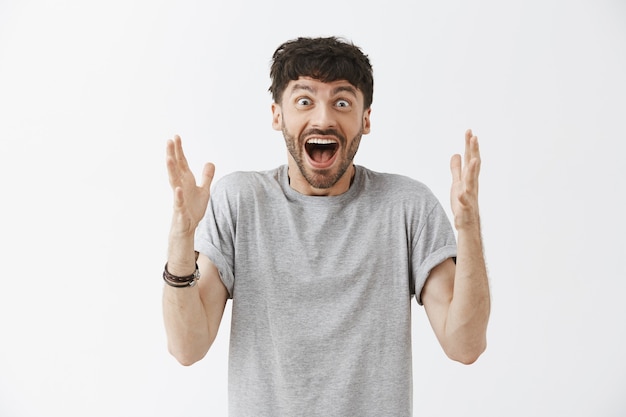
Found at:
(181, 269)
(467, 224)
(182, 225)
(181, 231)
(181, 281)
(181, 256)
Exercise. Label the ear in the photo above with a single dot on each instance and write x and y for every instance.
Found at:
(277, 117)
(366, 121)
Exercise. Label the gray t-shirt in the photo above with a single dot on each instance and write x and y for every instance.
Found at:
(321, 290)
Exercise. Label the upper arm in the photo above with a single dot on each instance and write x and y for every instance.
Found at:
(213, 294)
(437, 295)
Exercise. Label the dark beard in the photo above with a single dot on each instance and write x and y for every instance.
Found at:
(319, 178)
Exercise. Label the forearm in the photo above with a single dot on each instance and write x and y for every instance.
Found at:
(184, 315)
(191, 314)
(468, 314)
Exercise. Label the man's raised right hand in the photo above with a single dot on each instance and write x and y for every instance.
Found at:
(190, 200)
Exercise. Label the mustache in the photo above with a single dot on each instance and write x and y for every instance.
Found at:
(325, 132)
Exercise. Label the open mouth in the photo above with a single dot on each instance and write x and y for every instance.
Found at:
(321, 152)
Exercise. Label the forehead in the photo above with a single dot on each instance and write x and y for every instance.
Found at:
(317, 87)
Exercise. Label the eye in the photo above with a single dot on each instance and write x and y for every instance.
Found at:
(342, 103)
(303, 101)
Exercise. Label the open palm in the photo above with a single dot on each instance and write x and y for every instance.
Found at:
(190, 199)
(464, 192)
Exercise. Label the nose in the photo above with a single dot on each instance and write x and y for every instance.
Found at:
(323, 117)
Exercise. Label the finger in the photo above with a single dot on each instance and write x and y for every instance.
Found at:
(468, 138)
(455, 167)
(207, 175)
(471, 178)
(170, 160)
(475, 153)
(169, 149)
(179, 198)
(181, 160)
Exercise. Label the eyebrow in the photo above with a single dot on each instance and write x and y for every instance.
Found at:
(347, 88)
(297, 87)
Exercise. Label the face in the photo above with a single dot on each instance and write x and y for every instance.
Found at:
(322, 124)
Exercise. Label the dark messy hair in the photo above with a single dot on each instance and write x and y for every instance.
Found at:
(325, 59)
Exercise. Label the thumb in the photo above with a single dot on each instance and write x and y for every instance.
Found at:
(207, 175)
(179, 198)
(455, 167)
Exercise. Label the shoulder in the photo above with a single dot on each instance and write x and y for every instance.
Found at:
(241, 190)
(246, 181)
(394, 185)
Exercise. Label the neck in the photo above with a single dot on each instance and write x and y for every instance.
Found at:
(299, 183)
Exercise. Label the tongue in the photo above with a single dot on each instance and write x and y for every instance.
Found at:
(321, 155)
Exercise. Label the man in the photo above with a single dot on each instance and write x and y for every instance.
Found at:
(322, 257)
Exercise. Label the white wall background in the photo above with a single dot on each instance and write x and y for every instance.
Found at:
(90, 91)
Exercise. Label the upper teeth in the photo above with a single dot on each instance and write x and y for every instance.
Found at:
(320, 141)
